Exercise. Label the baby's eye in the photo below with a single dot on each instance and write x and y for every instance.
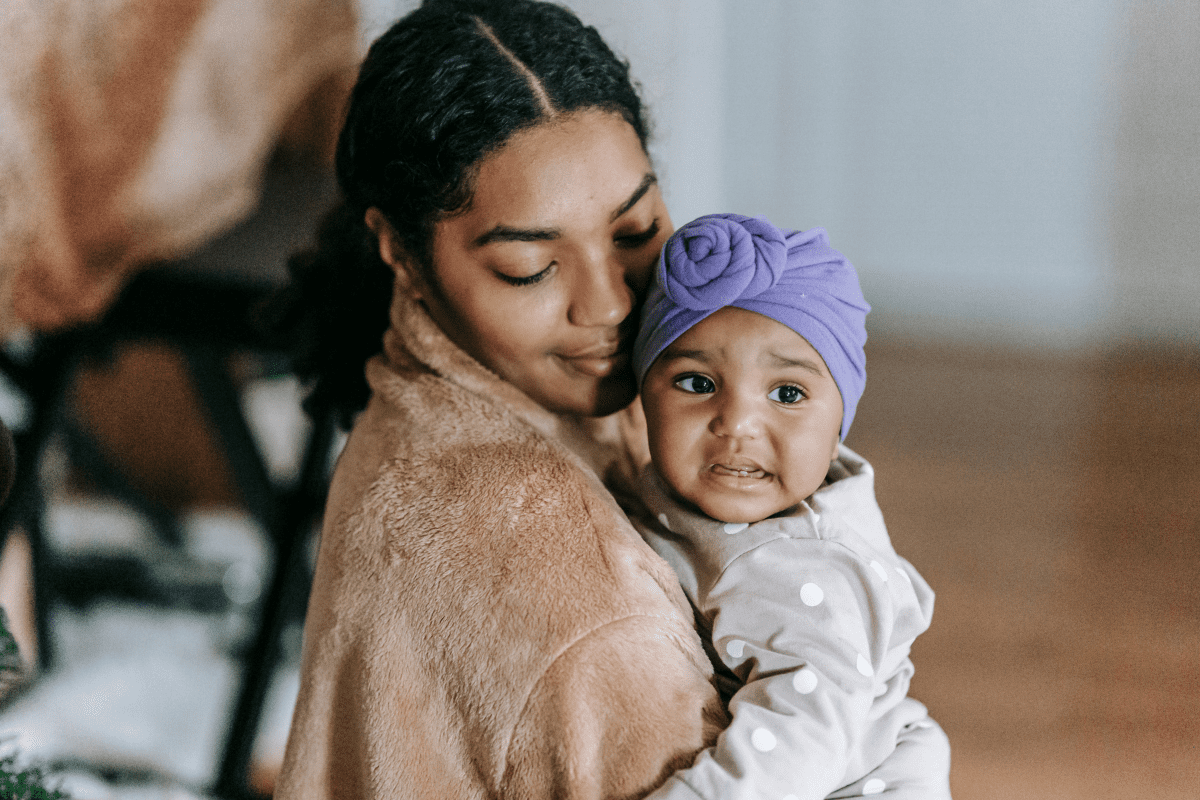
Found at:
(786, 394)
(696, 384)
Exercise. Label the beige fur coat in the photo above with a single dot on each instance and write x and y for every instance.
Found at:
(484, 620)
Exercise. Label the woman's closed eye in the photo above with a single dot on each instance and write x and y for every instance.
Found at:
(786, 394)
(526, 280)
(634, 240)
(696, 384)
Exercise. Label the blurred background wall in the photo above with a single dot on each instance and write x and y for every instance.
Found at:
(1009, 172)
(955, 151)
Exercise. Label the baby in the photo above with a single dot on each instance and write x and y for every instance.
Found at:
(750, 360)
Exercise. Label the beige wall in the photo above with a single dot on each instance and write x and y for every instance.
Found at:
(1156, 202)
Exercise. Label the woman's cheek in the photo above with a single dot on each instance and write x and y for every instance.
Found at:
(644, 274)
(521, 330)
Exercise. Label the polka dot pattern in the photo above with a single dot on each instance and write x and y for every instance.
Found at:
(763, 740)
(804, 681)
(811, 594)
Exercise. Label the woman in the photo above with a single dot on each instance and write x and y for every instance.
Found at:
(484, 622)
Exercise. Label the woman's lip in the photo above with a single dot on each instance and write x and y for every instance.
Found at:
(604, 350)
(598, 366)
(598, 361)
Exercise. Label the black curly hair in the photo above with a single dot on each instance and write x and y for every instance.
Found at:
(445, 87)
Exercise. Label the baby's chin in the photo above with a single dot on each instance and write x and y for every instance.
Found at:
(739, 510)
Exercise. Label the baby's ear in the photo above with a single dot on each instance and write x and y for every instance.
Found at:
(836, 443)
(393, 252)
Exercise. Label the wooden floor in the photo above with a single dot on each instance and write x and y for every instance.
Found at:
(1053, 502)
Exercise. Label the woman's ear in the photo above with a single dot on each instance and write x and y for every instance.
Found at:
(393, 253)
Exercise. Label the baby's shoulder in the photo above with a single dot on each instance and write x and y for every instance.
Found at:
(847, 503)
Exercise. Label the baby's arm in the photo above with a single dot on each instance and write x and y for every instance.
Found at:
(807, 624)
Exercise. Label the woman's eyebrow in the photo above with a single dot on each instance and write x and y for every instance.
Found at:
(504, 233)
(648, 180)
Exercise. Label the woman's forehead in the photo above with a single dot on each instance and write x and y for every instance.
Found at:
(587, 164)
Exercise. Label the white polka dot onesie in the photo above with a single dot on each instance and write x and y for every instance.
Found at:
(812, 616)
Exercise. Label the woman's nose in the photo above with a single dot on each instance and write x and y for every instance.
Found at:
(601, 298)
(736, 417)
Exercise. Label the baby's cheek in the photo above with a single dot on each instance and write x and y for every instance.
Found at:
(805, 477)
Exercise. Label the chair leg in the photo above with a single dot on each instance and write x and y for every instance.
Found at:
(85, 452)
(45, 381)
(221, 403)
(287, 588)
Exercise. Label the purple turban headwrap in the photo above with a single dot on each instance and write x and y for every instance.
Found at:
(793, 277)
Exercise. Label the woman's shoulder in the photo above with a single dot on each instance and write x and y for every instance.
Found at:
(434, 475)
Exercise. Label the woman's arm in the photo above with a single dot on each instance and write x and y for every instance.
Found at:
(616, 713)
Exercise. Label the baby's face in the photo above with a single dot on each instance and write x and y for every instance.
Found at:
(743, 416)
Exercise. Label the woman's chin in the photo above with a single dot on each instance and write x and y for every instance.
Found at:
(614, 394)
(596, 399)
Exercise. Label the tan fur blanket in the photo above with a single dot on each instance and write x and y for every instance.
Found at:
(134, 130)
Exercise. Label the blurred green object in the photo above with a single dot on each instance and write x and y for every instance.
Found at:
(24, 784)
(11, 666)
(17, 783)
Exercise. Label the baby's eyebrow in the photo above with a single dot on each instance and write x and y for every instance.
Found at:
(779, 360)
(672, 354)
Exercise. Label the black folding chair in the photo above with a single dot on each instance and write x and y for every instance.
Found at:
(204, 307)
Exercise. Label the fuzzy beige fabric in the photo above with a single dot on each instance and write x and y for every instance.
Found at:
(484, 621)
(134, 130)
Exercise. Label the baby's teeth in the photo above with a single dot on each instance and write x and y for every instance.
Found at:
(740, 472)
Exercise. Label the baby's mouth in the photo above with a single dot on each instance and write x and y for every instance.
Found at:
(738, 470)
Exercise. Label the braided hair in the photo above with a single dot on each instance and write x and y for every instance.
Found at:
(445, 87)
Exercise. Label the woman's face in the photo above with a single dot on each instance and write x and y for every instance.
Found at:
(540, 278)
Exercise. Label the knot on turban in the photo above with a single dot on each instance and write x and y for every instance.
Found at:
(793, 277)
(717, 259)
